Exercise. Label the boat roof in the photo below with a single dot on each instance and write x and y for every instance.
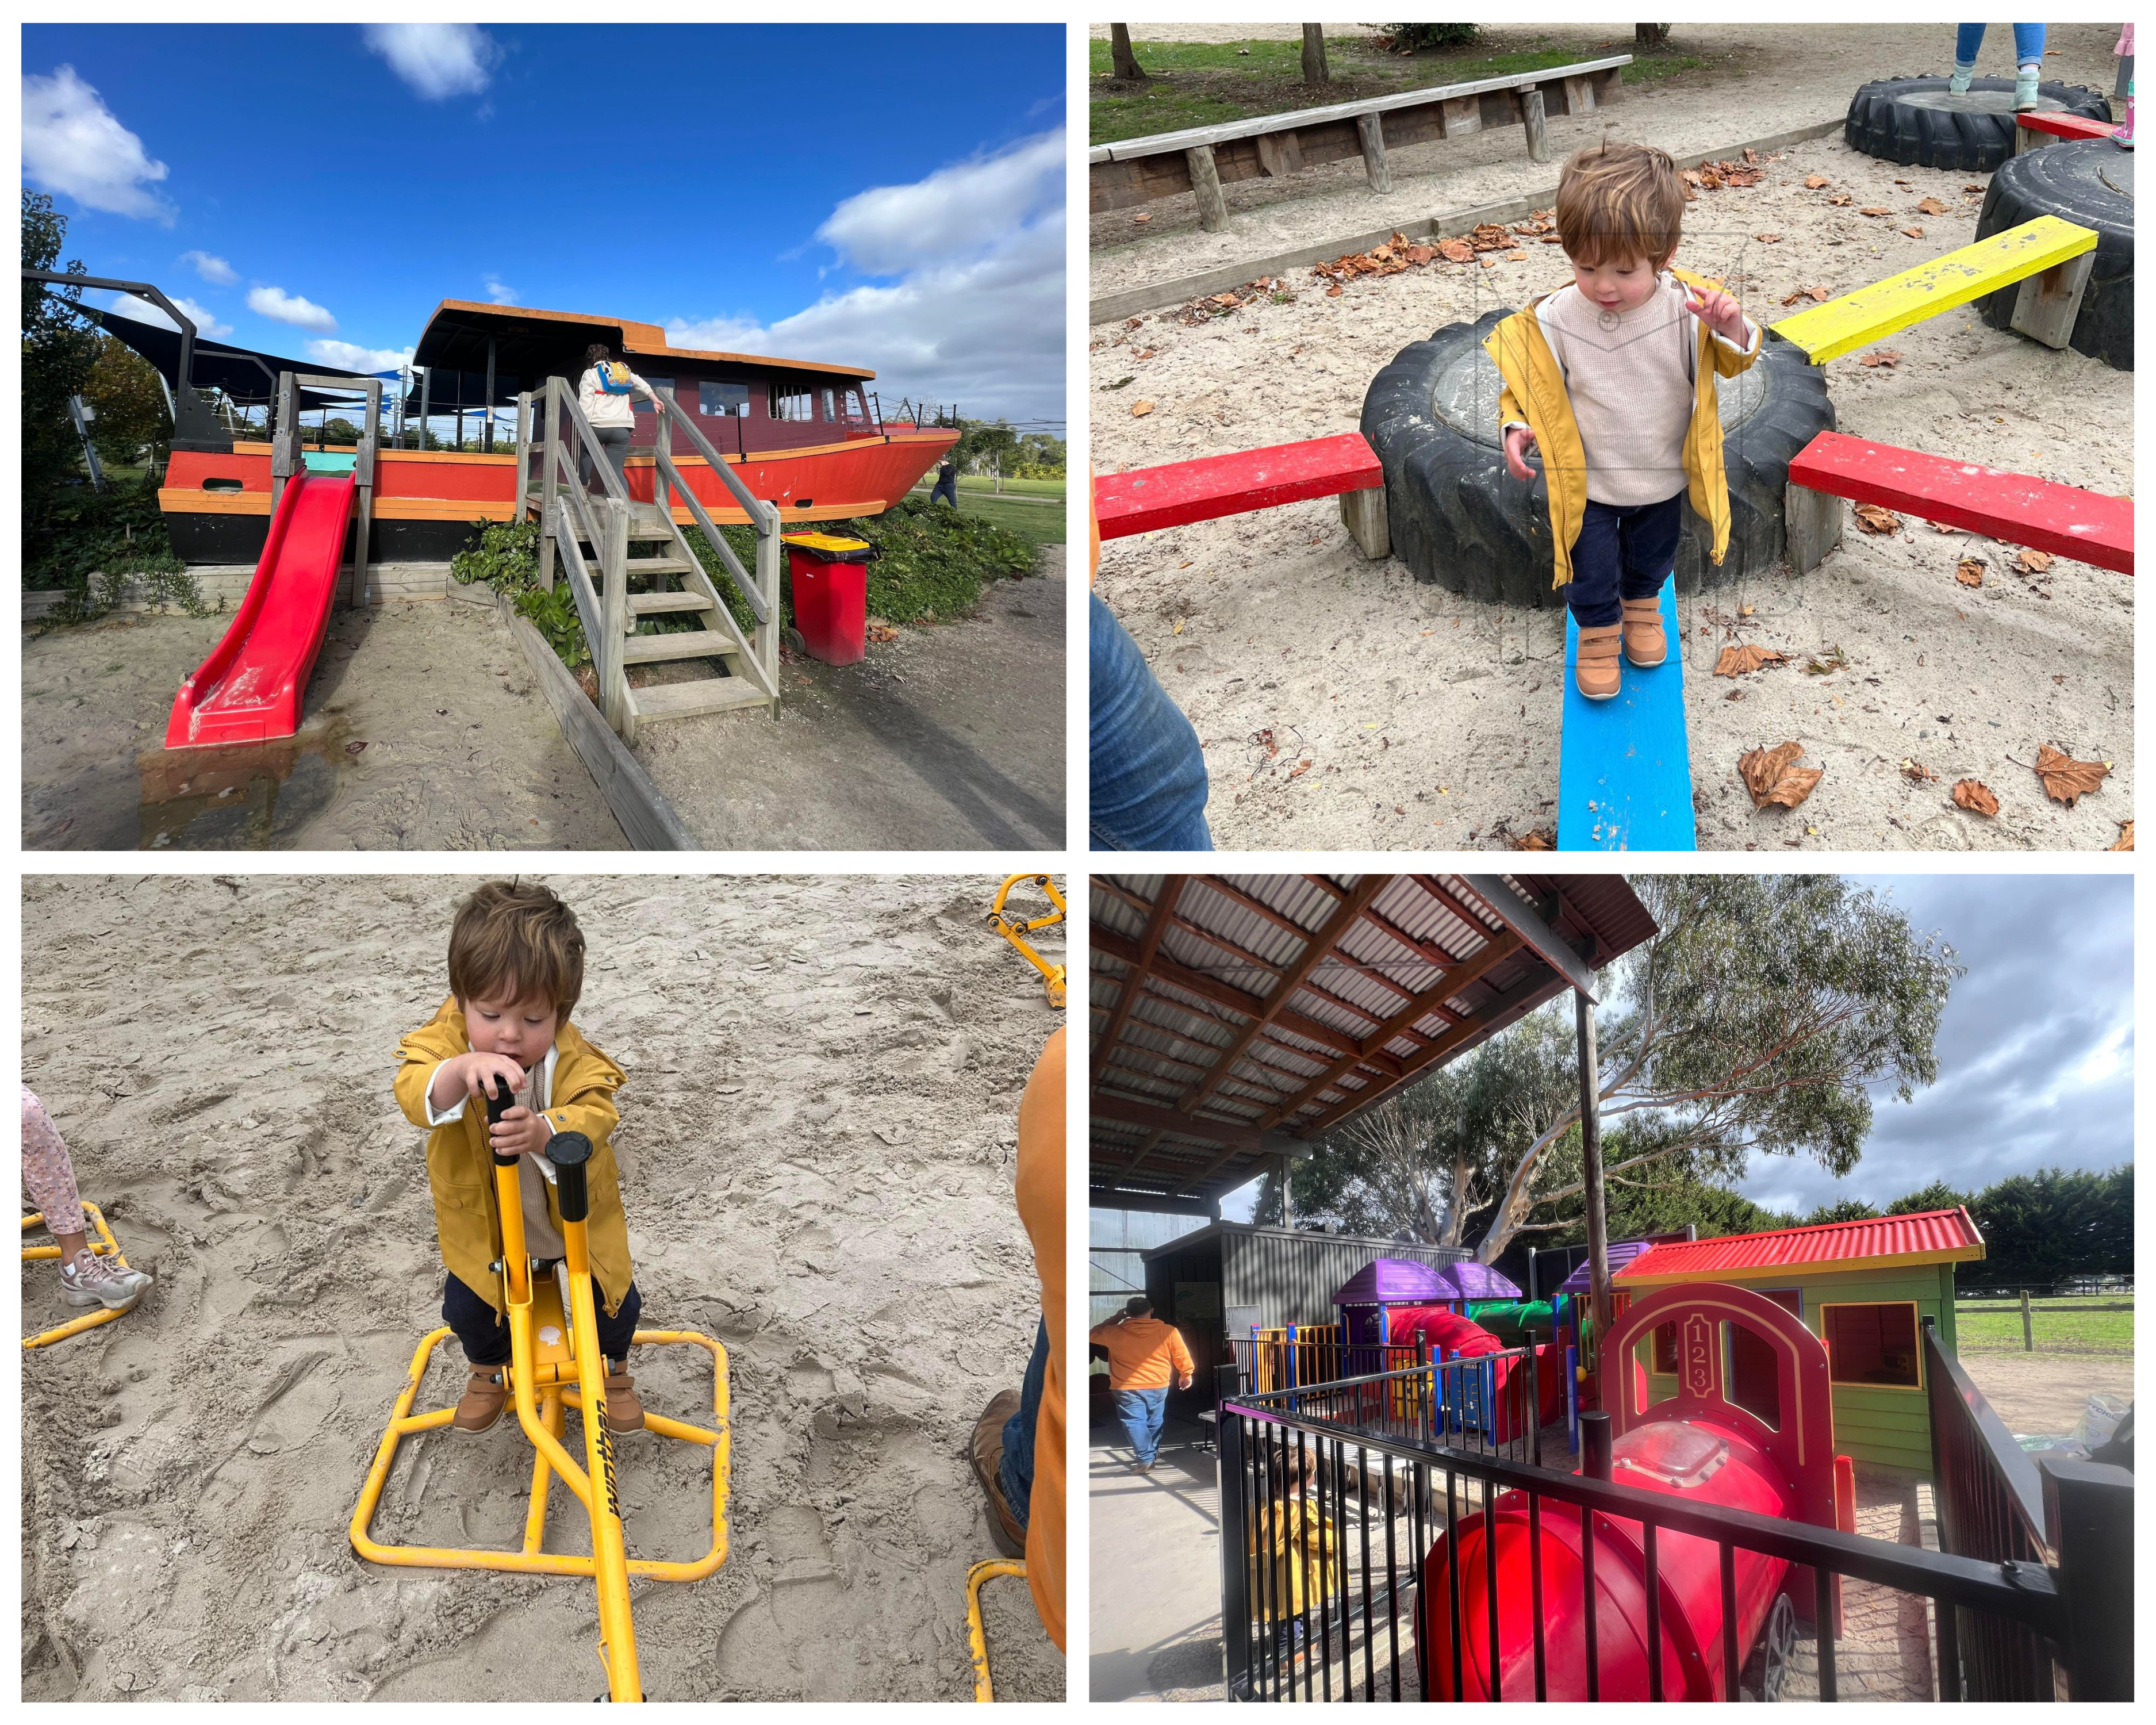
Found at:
(1926, 1237)
(529, 341)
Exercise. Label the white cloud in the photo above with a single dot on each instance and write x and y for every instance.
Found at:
(347, 357)
(498, 293)
(289, 308)
(977, 315)
(72, 144)
(956, 210)
(205, 320)
(437, 61)
(210, 268)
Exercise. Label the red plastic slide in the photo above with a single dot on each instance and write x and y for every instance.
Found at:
(249, 689)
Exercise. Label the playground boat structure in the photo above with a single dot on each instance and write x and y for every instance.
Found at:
(805, 435)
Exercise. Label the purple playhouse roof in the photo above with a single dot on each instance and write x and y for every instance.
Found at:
(1477, 1281)
(1393, 1281)
(1621, 1253)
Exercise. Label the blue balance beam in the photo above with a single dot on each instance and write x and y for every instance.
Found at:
(1624, 778)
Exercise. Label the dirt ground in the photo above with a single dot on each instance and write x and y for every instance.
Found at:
(1760, 78)
(950, 738)
(423, 729)
(2046, 1392)
(817, 1139)
(1427, 719)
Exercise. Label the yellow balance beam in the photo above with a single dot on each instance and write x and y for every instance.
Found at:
(1871, 314)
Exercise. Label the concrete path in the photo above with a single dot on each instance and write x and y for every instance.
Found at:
(1155, 1609)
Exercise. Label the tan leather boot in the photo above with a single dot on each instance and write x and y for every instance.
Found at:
(1645, 644)
(486, 1394)
(1596, 671)
(625, 1412)
(987, 1468)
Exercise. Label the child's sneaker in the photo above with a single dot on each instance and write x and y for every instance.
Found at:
(92, 1280)
(486, 1394)
(1959, 84)
(625, 1412)
(2025, 88)
(1596, 670)
(1645, 643)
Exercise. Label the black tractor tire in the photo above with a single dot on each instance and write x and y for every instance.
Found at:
(1916, 122)
(2089, 182)
(1457, 518)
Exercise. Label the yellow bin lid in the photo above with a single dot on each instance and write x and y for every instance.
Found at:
(823, 542)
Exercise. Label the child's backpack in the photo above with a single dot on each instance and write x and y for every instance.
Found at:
(613, 377)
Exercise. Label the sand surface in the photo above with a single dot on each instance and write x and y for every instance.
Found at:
(423, 729)
(2046, 1392)
(817, 1140)
(1760, 79)
(1431, 721)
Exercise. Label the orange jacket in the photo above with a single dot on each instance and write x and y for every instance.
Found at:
(1143, 1352)
(1040, 1206)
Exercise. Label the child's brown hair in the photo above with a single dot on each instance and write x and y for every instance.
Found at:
(1620, 202)
(514, 939)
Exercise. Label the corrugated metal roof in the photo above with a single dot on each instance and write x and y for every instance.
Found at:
(1928, 1237)
(1621, 1253)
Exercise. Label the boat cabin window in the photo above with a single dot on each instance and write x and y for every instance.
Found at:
(830, 406)
(792, 401)
(1872, 1344)
(721, 401)
(855, 408)
(640, 404)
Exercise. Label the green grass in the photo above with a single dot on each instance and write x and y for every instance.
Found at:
(2060, 1326)
(1014, 487)
(1210, 83)
(1035, 523)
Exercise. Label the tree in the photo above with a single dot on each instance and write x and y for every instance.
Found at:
(131, 421)
(1937, 1196)
(2044, 1228)
(1843, 1209)
(1756, 1021)
(1120, 53)
(1313, 54)
(59, 352)
(996, 445)
(1649, 36)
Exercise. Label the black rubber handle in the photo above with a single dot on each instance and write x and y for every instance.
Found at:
(497, 1107)
(569, 1152)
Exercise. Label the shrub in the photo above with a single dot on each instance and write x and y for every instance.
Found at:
(1413, 38)
(95, 542)
(506, 558)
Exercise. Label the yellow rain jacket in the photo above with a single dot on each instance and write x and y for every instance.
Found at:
(1534, 394)
(460, 1167)
(1296, 1541)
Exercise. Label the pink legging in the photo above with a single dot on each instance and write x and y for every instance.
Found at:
(47, 1171)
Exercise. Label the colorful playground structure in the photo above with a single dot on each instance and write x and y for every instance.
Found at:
(104, 1246)
(555, 1366)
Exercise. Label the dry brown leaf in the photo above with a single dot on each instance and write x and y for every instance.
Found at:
(1767, 239)
(1457, 251)
(1841, 200)
(1974, 795)
(1969, 572)
(1813, 181)
(2125, 836)
(1421, 253)
(1541, 841)
(1931, 207)
(1146, 218)
(1145, 353)
(1875, 210)
(1881, 357)
(2065, 778)
(880, 632)
(1917, 771)
(1875, 519)
(1751, 155)
(1903, 182)
(1298, 770)
(1773, 776)
(1914, 233)
(2033, 562)
(1743, 660)
(1811, 293)
(1553, 239)
(1139, 409)
(1334, 291)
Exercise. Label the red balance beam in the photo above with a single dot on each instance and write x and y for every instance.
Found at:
(1150, 498)
(2016, 507)
(2066, 126)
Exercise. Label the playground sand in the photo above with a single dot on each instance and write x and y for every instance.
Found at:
(817, 1139)
(1760, 79)
(423, 730)
(1428, 719)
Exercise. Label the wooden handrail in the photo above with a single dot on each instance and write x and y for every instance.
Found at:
(756, 508)
(666, 475)
(661, 450)
(615, 489)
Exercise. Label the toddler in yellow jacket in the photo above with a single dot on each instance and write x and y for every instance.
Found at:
(1612, 379)
(516, 968)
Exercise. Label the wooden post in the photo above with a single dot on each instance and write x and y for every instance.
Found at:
(2028, 1328)
(614, 608)
(1205, 182)
(1812, 522)
(1590, 1148)
(486, 434)
(1531, 115)
(1363, 512)
(1287, 1194)
(1371, 129)
(768, 552)
(549, 504)
(2048, 303)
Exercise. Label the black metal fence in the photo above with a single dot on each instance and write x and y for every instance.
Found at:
(1334, 1498)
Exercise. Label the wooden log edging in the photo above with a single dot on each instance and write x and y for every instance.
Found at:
(1127, 302)
(647, 819)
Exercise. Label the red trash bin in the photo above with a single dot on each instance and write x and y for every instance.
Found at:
(831, 579)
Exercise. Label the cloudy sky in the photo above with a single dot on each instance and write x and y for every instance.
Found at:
(2035, 1047)
(882, 197)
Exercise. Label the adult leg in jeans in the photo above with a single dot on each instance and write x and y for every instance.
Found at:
(1148, 773)
(1015, 1472)
(1140, 1411)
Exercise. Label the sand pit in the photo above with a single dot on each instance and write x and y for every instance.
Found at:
(817, 1140)
(1401, 716)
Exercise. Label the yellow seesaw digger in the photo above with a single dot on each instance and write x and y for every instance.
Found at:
(1014, 928)
(555, 1366)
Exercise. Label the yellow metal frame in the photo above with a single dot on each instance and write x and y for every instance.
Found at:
(555, 1365)
(977, 1633)
(1015, 929)
(104, 1247)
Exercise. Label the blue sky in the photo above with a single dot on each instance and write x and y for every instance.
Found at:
(885, 196)
(2035, 1047)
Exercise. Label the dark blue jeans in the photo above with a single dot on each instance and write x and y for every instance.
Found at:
(1142, 1411)
(1148, 773)
(1015, 1472)
(484, 1332)
(1621, 554)
(948, 489)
